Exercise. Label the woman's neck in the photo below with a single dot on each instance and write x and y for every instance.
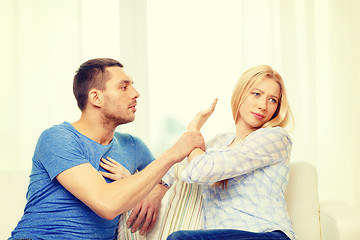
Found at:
(241, 134)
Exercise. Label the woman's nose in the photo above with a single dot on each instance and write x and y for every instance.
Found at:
(262, 104)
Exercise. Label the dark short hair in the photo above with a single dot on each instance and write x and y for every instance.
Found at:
(91, 74)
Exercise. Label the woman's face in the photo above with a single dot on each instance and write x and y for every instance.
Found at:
(259, 105)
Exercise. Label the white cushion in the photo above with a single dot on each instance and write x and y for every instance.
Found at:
(339, 221)
(303, 202)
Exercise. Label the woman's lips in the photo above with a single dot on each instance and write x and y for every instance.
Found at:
(258, 116)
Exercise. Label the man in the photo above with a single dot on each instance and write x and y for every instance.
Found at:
(68, 198)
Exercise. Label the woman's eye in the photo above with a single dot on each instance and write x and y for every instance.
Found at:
(273, 100)
(256, 94)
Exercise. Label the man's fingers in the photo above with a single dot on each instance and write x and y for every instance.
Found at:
(133, 216)
(148, 221)
(153, 221)
(139, 220)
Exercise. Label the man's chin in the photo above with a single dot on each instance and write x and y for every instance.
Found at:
(125, 121)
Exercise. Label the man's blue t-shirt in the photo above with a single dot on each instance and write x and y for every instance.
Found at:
(51, 211)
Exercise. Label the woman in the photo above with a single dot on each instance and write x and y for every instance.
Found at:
(244, 174)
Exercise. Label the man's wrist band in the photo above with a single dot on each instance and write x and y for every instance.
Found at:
(165, 184)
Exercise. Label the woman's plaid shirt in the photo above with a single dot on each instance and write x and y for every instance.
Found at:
(257, 169)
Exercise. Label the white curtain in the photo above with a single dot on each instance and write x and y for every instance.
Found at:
(40, 50)
(320, 56)
(198, 49)
(181, 54)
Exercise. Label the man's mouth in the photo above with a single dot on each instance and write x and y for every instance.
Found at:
(133, 106)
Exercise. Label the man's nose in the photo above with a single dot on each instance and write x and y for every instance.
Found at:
(135, 93)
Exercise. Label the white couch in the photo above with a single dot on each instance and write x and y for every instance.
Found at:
(311, 220)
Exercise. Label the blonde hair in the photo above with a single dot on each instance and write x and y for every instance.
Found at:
(282, 116)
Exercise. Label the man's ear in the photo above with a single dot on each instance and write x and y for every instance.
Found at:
(95, 97)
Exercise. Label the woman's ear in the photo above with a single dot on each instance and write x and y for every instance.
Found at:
(95, 97)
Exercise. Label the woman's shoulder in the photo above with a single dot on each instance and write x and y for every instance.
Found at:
(226, 136)
(221, 139)
(276, 130)
(273, 133)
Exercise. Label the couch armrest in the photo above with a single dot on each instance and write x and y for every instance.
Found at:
(339, 221)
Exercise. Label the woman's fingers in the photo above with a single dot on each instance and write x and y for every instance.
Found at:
(107, 175)
(200, 118)
(105, 164)
(115, 170)
(112, 161)
(211, 109)
(213, 105)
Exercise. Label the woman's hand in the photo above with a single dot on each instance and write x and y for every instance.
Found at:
(201, 117)
(116, 170)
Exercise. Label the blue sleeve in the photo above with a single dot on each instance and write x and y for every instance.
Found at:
(58, 150)
(143, 154)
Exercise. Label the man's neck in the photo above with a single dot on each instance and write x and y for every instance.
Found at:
(94, 129)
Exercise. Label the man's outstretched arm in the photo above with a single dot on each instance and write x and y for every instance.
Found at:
(108, 200)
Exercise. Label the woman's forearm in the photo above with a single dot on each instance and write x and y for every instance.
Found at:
(195, 153)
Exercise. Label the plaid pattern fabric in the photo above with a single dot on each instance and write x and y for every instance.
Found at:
(257, 169)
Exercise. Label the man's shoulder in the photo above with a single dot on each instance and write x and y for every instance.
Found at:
(62, 129)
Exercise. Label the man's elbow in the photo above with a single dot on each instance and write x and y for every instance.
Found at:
(108, 212)
(108, 216)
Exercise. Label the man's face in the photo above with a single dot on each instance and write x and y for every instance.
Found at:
(119, 98)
